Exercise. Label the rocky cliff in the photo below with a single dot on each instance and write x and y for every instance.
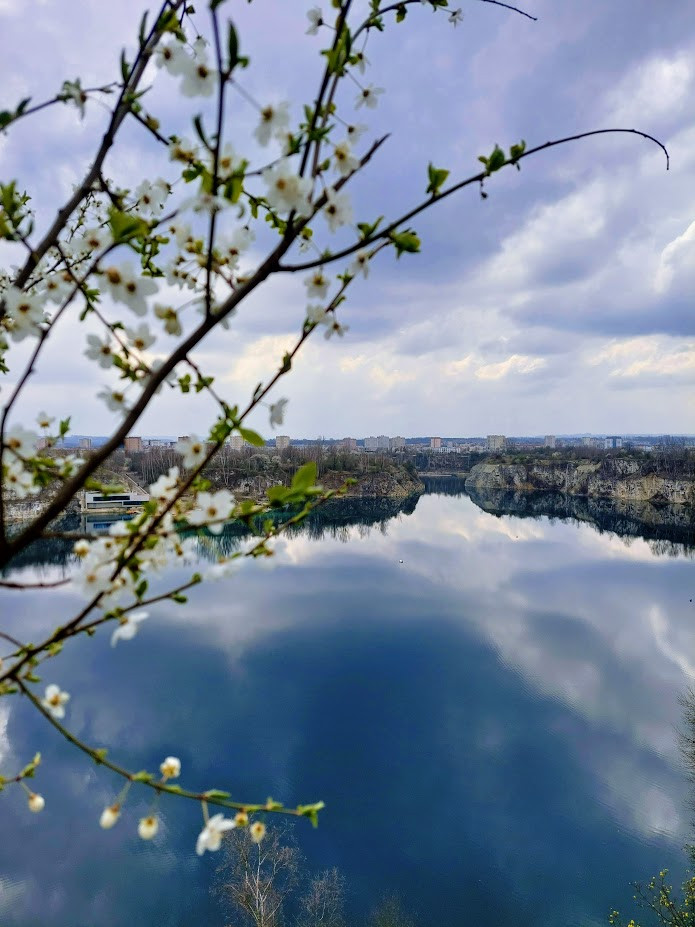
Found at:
(612, 478)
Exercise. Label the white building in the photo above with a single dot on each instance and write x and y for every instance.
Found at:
(435, 443)
(383, 442)
(496, 442)
(125, 499)
(397, 443)
(371, 443)
(282, 442)
(549, 441)
(236, 442)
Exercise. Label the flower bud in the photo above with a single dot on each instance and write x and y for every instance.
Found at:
(257, 831)
(36, 802)
(148, 827)
(109, 816)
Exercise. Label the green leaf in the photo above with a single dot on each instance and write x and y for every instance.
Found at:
(216, 793)
(367, 229)
(232, 48)
(124, 226)
(142, 776)
(401, 13)
(405, 241)
(437, 176)
(6, 118)
(252, 437)
(304, 477)
(64, 426)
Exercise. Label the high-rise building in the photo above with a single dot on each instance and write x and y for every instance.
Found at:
(496, 442)
(132, 444)
(371, 443)
(397, 443)
(612, 442)
(86, 444)
(549, 441)
(349, 444)
(282, 442)
(236, 442)
(382, 442)
(435, 443)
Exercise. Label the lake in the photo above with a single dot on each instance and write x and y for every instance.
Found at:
(492, 722)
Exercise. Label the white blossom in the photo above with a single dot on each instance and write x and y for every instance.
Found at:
(150, 198)
(115, 399)
(368, 96)
(275, 120)
(335, 328)
(81, 548)
(148, 827)
(170, 317)
(165, 487)
(100, 351)
(345, 160)
(57, 287)
(212, 507)
(315, 18)
(287, 191)
(199, 77)
(355, 131)
(94, 577)
(129, 287)
(26, 312)
(19, 480)
(338, 209)
(54, 700)
(95, 239)
(210, 837)
(109, 816)
(360, 264)
(44, 420)
(317, 284)
(182, 149)
(257, 831)
(36, 802)
(277, 412)
(317, 314)
(362, 61)
(128, 627)
(171, 767)
(172, 56)
(20, 441)
(141, 337)
(193, 450)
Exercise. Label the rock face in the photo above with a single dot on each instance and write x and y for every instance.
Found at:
(394, 484)
(612, 478)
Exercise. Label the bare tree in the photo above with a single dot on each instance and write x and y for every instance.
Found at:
(256, 879)
(389, 913)
(323, 904)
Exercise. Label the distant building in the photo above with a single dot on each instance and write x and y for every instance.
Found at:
(435, 443)
(85, 444)
(397, 443)
(371, 443)
(131, 444)
(41, 444)
(496, 442)
(549, 441)
(282, 442)
(383, 442)
(236, 442)
(612, 442)
(349, 444)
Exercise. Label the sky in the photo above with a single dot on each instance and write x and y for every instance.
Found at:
(561, 303)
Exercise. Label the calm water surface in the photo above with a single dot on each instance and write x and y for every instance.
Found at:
(492, 723)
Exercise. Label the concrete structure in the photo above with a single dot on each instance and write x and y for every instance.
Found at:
(397, 443)
(118, 500)
(132, 444)
(612, 442)
(371, 443)
(435, 443)
(282, 442)
(85, 444)
(236, 442)
(349, 444)
(496, 442)
(383, 442)
(549, 441)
